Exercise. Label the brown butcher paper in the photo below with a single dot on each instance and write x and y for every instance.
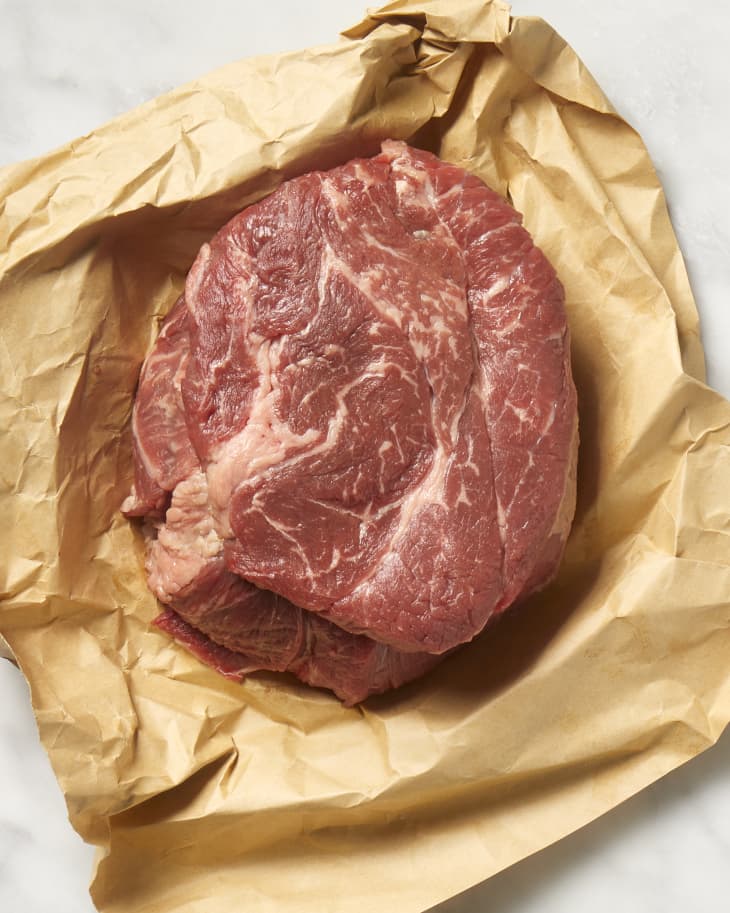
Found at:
(204, 795)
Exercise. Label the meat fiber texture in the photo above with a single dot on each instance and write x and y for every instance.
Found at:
(356, 435)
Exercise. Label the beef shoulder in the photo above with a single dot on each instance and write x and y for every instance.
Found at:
(356, 436)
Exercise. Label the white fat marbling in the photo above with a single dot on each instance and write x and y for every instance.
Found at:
(67, 66)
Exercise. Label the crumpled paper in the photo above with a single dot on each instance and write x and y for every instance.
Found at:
(204, 795)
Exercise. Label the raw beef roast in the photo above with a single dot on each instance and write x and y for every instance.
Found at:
(356, 434)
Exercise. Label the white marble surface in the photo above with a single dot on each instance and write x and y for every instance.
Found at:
(67, 66)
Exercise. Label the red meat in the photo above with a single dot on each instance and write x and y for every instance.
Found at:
(363, 412)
